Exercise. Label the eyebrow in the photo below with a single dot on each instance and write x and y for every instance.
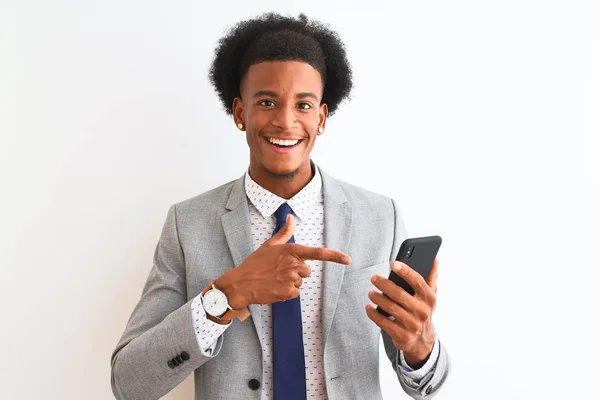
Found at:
(271, 93)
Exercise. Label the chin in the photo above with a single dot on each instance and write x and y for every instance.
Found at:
(282, 170)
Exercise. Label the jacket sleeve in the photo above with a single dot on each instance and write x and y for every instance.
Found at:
(427, 386)
(159, 347)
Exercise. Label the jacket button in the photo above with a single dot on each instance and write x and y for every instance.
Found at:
(170, 364)
(428, 390)
(179, 359)
(185, 356)
(253, 384)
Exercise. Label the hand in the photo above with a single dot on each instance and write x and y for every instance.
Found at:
(274, 272)
(411, 330)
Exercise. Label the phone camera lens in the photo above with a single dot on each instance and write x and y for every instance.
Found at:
(409, 251)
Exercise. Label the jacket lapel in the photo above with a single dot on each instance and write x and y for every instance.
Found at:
(236, 225)
(338, 225)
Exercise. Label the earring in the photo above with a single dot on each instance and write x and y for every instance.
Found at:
(240, 126)
(320, 129)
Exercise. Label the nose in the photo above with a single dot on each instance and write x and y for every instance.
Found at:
(285, 119)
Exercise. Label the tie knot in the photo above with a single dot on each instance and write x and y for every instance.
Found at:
(282, 212)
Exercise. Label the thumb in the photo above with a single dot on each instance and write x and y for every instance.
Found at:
(285, 233)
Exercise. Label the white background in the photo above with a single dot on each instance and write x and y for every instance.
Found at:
(479, 118)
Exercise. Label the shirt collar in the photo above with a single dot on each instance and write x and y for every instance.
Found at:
(302, 203)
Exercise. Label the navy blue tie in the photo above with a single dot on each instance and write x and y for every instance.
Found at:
(289, 375)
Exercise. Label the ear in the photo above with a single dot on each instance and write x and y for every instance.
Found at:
(323, 113)
(238, 111)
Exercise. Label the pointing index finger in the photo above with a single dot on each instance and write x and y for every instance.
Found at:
(321, 253)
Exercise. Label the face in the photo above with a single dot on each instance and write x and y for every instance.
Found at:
(281, 100)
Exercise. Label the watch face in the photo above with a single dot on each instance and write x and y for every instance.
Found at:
(214, 302)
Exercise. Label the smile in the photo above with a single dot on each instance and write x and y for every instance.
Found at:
(282, 146)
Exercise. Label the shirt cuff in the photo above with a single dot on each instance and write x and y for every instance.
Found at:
(413, 374)
(207, 331)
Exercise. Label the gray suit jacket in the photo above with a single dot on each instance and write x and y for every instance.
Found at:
(208, 234)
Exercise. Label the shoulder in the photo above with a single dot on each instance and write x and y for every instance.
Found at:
(364, 198)
(215, 198)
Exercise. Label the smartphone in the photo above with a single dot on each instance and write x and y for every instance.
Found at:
(419, 254)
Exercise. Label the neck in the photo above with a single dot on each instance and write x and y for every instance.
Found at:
(284, 186)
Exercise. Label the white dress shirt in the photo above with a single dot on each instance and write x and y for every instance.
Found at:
(307, 207)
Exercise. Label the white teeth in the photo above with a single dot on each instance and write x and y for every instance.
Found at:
(283, 142)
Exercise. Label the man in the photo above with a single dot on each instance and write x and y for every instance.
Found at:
(298, 250)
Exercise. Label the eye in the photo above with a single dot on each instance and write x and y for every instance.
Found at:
(267, 103)
(304, 106)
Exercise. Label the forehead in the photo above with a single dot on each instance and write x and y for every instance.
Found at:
(282, 77)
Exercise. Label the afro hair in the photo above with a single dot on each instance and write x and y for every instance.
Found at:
(273, 37)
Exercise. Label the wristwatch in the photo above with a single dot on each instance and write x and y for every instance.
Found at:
(216, 305)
